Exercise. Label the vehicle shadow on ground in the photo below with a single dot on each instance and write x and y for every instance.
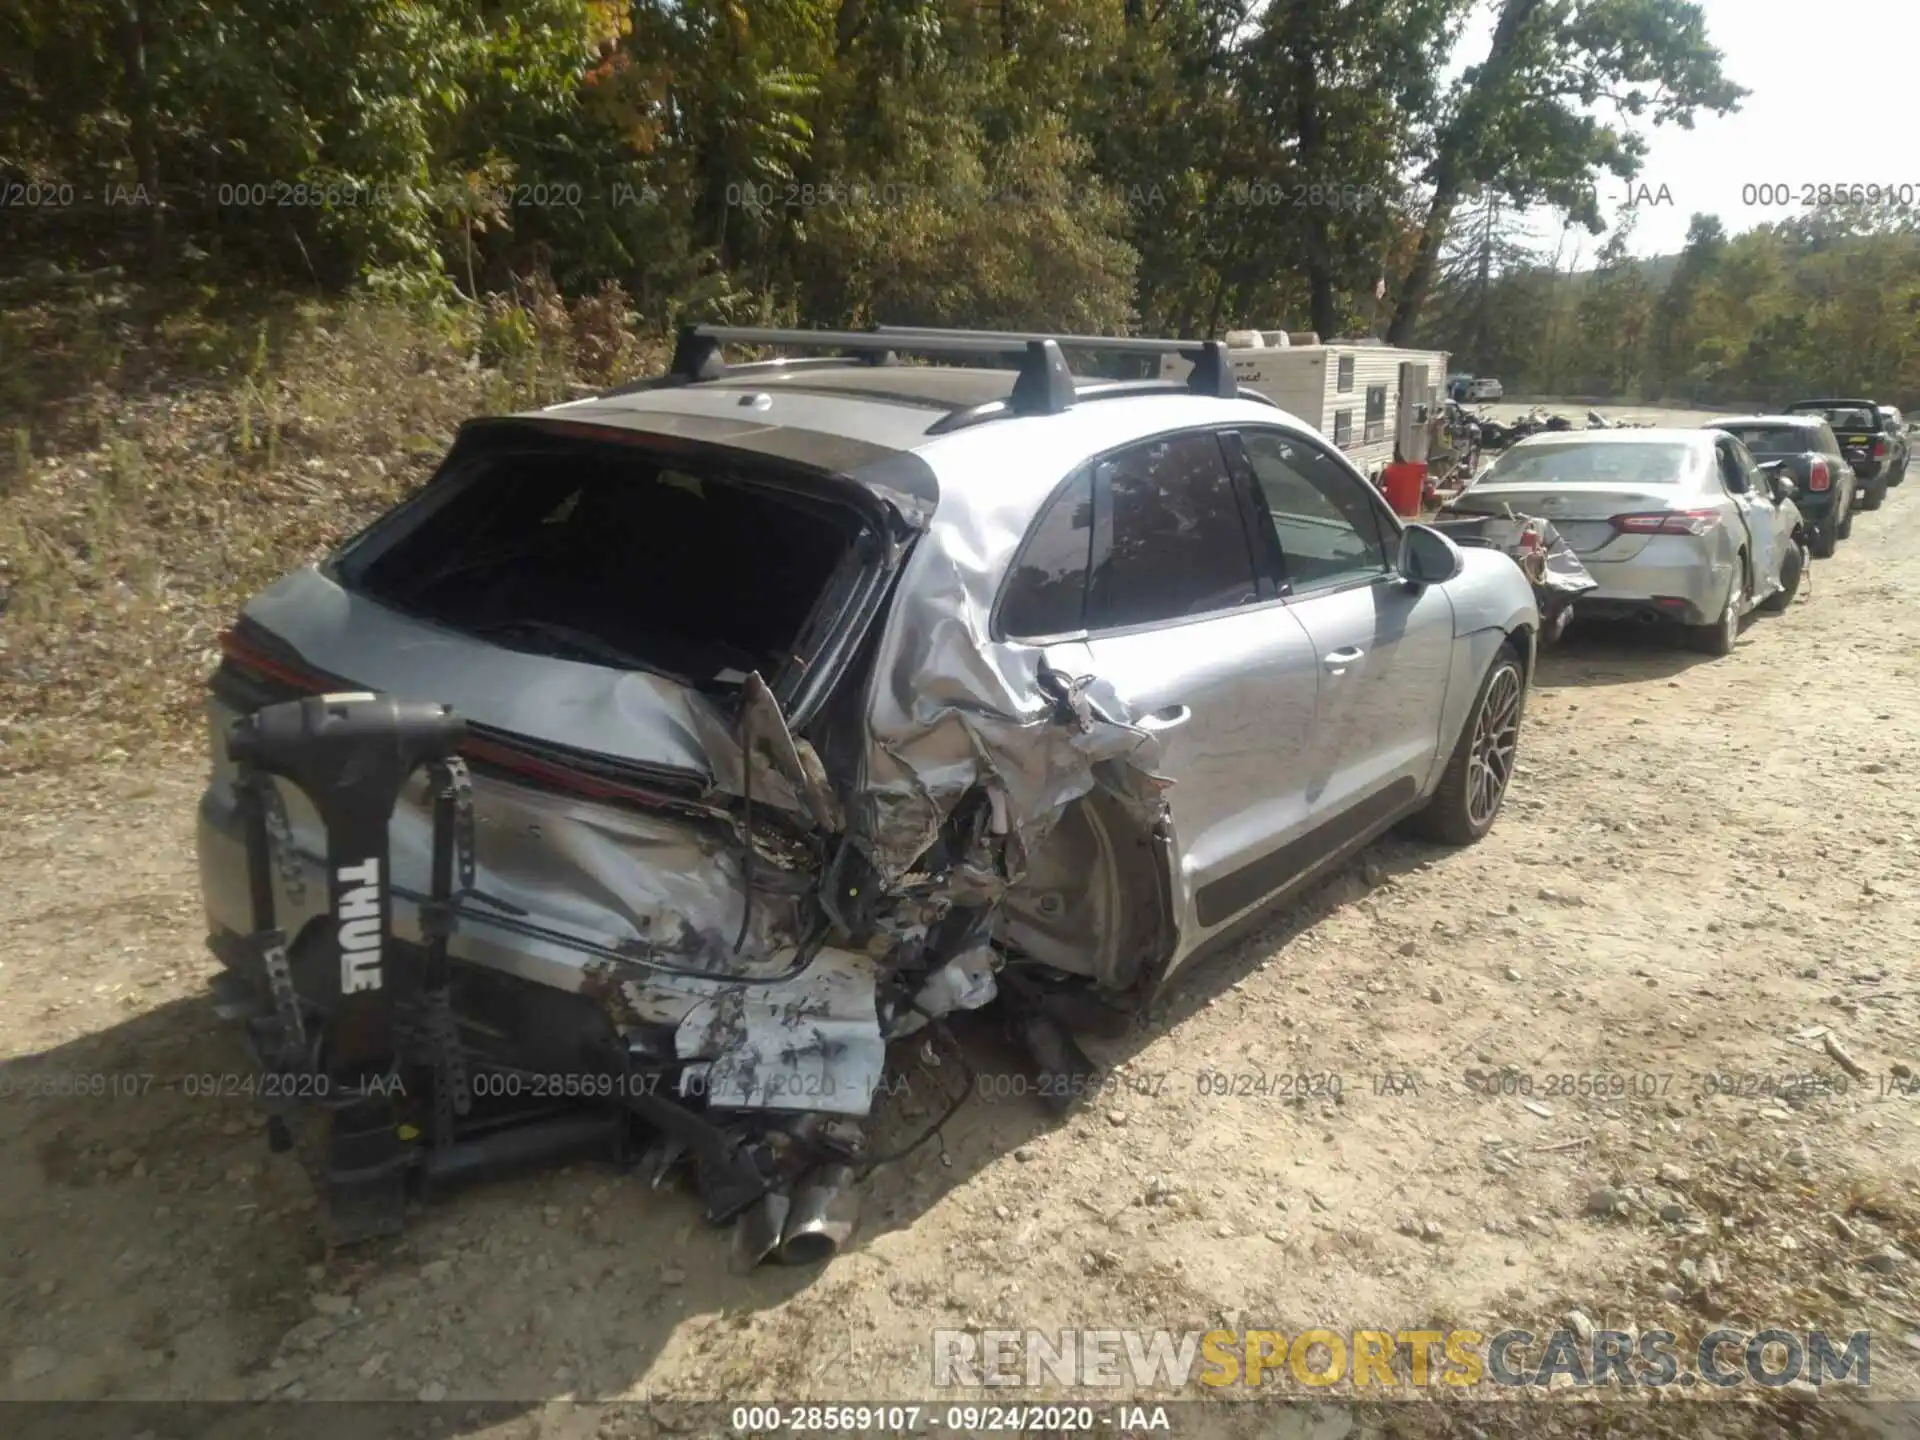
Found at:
(1604, 652)
(151, 1197)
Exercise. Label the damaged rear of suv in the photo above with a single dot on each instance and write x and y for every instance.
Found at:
(632, 785)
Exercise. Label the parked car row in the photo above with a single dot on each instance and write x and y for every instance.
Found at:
(1696, 528)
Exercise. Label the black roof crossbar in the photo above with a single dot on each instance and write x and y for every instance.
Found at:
(1212, 370)
(1044, 385)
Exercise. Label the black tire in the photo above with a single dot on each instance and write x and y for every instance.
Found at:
(1824, 539)
(1845, 528)
(1793, 566)
(1474, 785)
(1871, 495)
(1719, 637)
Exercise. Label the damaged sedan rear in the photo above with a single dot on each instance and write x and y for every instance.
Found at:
(778, 711)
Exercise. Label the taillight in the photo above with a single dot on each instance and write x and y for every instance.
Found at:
(1817, 477)
(249, 656)
(1667, 522)
(1879, 449)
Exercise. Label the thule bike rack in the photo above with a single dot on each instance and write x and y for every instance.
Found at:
(352, 756)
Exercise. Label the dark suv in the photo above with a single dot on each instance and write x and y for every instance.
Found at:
(1864, 440)
(1803, 448)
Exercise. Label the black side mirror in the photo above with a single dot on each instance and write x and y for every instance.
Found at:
(1427, 557)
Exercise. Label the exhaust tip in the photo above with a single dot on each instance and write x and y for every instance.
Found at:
(821, 1218)
(809, 1247)
(756, 1234)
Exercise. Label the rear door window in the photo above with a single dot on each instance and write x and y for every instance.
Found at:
(1176, 544)
(1047, 591)
(1730, 474)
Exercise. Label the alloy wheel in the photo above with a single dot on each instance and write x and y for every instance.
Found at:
(1495, 735)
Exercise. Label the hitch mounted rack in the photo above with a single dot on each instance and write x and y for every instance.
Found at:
(379, 1013)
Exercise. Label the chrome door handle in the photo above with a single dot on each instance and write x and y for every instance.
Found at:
(1167, 718)
(1344, 656)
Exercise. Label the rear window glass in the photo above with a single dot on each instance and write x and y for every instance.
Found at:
(1575, 462)
(1774, 439)
(1046, 594)
(1847, 417)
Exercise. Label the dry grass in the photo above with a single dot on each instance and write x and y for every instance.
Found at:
(166, 458)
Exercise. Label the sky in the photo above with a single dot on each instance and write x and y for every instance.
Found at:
(1833, 102)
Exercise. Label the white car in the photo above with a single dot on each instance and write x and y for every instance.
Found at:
(1485, 389)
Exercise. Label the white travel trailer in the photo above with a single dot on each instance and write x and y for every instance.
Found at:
(1364, 396)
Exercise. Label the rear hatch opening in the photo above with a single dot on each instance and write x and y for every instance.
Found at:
(702, 568)
(621, 618)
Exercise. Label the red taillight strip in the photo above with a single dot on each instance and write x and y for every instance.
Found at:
(236, 648)
(562, 777)
(1665, 522)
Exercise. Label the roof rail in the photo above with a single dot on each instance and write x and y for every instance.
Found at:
(1212, 370)
(1044, 386)
(1104, 390)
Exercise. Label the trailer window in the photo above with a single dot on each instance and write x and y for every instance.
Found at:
(1376, 412)
(1344, 384)
(1343, 428)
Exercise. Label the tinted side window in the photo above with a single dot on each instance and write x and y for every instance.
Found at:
(1828, 444)
(1046, 594)
(1329, 531)
(1179, 546)
(1728, 466)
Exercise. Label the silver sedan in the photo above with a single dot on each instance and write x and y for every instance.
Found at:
(1677, 525)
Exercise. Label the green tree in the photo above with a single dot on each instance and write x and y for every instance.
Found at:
(1523, 122)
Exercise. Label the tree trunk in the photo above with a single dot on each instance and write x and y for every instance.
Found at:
(1449, 168)
(132, 36)
(1426, 261)
(1483, 284)
(847, 25)
(1309, 132)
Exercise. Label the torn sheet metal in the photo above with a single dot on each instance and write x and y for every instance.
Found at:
(952, 710)
(809, 1043)
(964, 983)
(1537, 547)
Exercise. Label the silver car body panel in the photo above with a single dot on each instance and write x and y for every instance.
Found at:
(642, 910)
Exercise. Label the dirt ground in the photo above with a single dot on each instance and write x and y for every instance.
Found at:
(1706, 868)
